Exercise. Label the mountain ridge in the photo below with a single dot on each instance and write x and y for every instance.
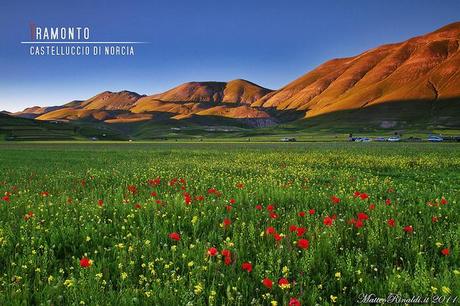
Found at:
(424, 68)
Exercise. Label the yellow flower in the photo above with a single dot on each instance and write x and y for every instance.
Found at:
(438, 244)
(338, 275)
(124, 275)
(333, 299)
(194, 219)
(190, 264)
(456, 272)
(68, 283)
(285, 270)
(198, 288)
(434, 289)
(274, 303)
(446, 290)
(88, 238)
(50, 279)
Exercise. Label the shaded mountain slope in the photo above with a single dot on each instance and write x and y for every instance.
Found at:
(421, 68)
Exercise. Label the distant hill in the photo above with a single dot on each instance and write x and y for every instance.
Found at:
(15, 128)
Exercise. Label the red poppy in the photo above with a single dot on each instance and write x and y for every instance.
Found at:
(301, 231)
(154, 182)
(388, 202)
(212, 251)
(270, 230)
(29, 215)
(259, 207)
(267, 283)
(158, 202)
(443, 201)
(273, 215)
(229, 208)
(335, 199)
(371, 206)
(294, 302)
(6, 198)
(226, 253)
(137, 206)
(270, 207)
(174, 236)
(213, 191)
(85, 262)
(44, 193)
(132, 189)
(172, 182)
(153, 194)
(363, 196)
(434, 219)
(408, 229)
(356, 194)
(227, 222)
(359, 224)
(100, 202)
(351, 221)
(328, 221)
(199, 198)
(246, 266)
(391, 222)
(283, 282)
(292, 228)
(187, 198)
(301, 214)
(228, 260)
(303, 243)
(311, 211)
(445, 252)
(277, 236)
(232, 201)
(239, 185)
(362, 216)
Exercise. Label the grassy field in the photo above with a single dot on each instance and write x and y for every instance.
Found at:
(227, 223)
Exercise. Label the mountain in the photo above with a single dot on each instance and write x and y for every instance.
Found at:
(424, 68)
(226, 99)
(236, 91)
(36, 111)
(108, 100)
(415, 82)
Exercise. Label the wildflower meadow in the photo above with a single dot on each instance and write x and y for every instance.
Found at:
(227, 224)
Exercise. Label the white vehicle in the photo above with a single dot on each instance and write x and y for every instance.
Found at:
(394, 139)
(434, 138)
(288, 139)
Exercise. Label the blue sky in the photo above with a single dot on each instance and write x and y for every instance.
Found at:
(267, 42)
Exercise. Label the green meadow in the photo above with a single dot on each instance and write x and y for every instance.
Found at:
(190, 223)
